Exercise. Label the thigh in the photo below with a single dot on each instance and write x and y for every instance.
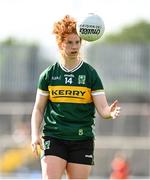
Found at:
(80, 159)
(53, 158)
(78, 171)
(53, 167)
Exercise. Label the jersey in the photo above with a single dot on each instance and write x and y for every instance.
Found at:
(70, 111)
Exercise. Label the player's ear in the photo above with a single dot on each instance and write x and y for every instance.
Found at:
(61, 46)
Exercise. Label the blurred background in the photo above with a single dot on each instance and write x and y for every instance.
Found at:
(121, 57)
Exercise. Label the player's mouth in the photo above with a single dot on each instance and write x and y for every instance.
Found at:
(74, 52)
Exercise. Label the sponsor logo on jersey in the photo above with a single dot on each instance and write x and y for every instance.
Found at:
(56, 78)
(69, 75)
(70, 94)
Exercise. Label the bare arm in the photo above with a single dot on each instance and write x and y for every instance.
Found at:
(36, 120)
(104, 109)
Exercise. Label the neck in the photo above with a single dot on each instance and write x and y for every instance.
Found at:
(70, 63)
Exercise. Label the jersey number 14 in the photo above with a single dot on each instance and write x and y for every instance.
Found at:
(68, 80)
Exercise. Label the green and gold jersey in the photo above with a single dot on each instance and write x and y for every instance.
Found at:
(70, 110)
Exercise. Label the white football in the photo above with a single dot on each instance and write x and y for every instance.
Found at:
(91, 27)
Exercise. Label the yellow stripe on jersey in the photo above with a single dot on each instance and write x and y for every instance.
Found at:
(70, 94)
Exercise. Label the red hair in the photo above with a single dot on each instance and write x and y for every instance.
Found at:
(64, 27)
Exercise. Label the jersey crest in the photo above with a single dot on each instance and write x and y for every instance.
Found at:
(81, 79)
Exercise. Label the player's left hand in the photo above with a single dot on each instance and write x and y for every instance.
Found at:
(114, 109)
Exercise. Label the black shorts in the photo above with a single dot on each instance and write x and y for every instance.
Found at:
(79, 151)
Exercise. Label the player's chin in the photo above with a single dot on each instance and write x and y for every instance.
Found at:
(73, 55)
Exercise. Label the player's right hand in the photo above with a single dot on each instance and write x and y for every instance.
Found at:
(36, 145)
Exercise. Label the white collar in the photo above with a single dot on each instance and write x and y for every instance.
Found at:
(71, 70)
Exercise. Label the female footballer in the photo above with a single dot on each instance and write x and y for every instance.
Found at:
(68, 93)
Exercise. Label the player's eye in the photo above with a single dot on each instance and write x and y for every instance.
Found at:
(69, 42)
(77, 42)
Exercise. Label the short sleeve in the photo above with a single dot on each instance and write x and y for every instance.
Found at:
(43, 84)
(97, 86)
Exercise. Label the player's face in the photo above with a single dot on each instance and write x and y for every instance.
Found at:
(71, 45)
